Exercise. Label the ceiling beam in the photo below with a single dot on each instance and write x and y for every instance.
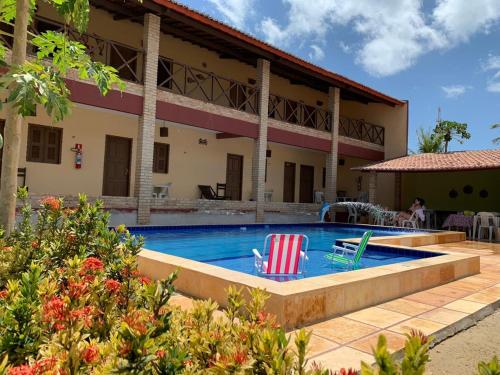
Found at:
(227, 136)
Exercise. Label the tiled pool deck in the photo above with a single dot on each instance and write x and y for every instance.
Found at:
(346, 340)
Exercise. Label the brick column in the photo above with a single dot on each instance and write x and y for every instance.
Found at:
(146, 136)
(372, 188)
(332, 156)
(259, 157)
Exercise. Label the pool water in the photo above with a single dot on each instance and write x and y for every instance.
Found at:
(231, 246)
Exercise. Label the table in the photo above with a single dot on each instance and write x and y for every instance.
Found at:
(459, 221)
(161, 191)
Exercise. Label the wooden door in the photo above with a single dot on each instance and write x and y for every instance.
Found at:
(289, 183)
(306, 184)
(234, 176)
(117, 166)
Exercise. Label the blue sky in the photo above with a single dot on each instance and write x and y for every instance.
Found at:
(443, 53)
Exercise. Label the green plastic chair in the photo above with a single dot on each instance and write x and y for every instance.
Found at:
(349, 254)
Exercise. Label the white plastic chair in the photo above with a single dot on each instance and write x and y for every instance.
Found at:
(485, 220)
(161, 191)
(353, 214)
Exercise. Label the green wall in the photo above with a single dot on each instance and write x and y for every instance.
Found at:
(435, 188)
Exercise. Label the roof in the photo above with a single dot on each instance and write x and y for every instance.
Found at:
(451, 161)
(187, 23)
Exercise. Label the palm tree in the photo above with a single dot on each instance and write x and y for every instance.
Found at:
(429, 141)
(497, 139)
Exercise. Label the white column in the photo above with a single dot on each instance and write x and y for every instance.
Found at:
(332, 156)
(146, 136)
(259, 159)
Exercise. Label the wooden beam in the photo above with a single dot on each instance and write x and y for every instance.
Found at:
(226, 136)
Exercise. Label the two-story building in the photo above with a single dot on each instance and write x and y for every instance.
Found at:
(206, 104)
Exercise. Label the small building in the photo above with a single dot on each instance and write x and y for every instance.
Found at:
(206, 104)
(455, 181)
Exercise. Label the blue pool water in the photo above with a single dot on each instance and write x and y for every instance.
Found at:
(231, 246)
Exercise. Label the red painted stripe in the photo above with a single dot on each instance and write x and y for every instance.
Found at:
(297, 255)
(289, 253)
(360, 152)
(85, 93)
(206, 120)
(270, 255)
(280, 254)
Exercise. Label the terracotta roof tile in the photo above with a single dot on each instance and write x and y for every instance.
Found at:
(452, 161)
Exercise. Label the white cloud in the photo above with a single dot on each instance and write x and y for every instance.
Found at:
(453, 91)
(316, 53)
(235, 11)
(345, 47)
(394, 33)
(492, 64)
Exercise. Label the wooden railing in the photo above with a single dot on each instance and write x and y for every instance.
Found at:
(362, 130)
(128, 61)
(206, 86)
(298, 113)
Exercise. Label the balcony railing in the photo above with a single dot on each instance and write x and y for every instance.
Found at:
(298, 113)
(206, 86)
(128, 61)
(362, 130)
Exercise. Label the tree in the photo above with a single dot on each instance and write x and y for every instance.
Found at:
(451, 130)
(429, 141)
(33, 82)
(497, 139)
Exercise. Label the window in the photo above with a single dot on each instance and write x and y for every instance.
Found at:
(160, 157)
(165, 74)
(44, 144)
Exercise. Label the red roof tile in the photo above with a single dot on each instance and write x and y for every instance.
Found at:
(209, 21)
(452, 161)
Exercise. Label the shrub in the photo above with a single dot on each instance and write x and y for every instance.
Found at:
(72, 301)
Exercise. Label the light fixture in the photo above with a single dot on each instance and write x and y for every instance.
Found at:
(202, 141)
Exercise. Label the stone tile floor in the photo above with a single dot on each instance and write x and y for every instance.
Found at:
(345, 341)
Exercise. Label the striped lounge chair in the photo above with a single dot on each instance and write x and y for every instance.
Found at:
(287, 255)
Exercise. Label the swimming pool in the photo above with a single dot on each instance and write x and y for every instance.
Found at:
(231, 246)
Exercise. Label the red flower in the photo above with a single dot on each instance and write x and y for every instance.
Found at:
(21, 370)
(76, 290)
(112, 286)
(240, 357)
(3, 294)
(84, 314)
(90, 354)
(92, 264)
(44, 365)
(35, 245)
(7, 248)
(145, 280)
(51, 203)
(54, 310)
(160, 353)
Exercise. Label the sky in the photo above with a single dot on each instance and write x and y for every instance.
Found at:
(435, 53)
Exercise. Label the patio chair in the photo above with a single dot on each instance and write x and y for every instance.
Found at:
(349, 254)
(353, 214)
(207, 192)
(287, 255)
(415, 219)
(486, 220)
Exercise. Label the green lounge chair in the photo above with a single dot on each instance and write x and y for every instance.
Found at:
(349, 254)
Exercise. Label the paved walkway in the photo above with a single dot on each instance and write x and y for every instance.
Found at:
(442, 311)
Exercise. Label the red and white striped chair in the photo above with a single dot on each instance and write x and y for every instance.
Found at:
(287, 255)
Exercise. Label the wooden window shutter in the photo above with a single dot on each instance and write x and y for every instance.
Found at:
(161, 157)
(44, 144)
(35, 144)
(53, 145)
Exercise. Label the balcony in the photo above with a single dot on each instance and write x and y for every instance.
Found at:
(361, 130)
(127, 60)
(293, 112)
(199, 84)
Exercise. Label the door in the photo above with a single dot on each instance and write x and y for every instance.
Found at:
(306, 184)
(289, 183)
(2, 123)
(234, 176)
(117, 166)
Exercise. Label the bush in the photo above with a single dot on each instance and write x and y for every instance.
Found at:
(72, 301)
